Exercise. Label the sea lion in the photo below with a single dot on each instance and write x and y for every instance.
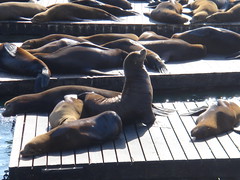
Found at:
(168, 12)
(76, 134)
(45, 101)
(19, 10)
(217, 40)
(150, 35)
(153, 61)
(72, 12)
(103, 38)
(231, 15)
(38, 42)
(114, 10)
(135, 102)
(17, 60)
(217, 119)
(175, 50)
(81, 59)
(201, 9)
(67, 110)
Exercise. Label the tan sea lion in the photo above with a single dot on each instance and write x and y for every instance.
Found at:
(217, 119)
(17, 60)
(201, 9)
(175, 49)
(72, 12)
(168, 12)
(103, 38)
(76, 134)
(135, 102)
(39, 42)
(217, 40)
(150, 35)
(19, 10)
(67, 110)
(231, 15)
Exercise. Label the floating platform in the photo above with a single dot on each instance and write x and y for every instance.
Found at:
(164, 150)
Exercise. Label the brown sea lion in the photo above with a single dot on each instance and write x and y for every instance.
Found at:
(72, 12)
(217, 40)
(82, 59)
(76, 134)
(231, 15)
(201, 9)
(114, 10)
(135, 102)
(103, 38)
(67, 110)
(45, 101)
(19, 10)
(38, 42)
(153, 61)
(17, 60)
(168, 12)
(150, 35)
(217, 119)
(175, 50)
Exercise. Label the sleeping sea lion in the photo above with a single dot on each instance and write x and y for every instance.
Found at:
(175, 49)
(168, 12)
(17, 60)
(67, 110)
(19, 10)
(45, 101)
(135, 102)
(72, 12)
(231, 15)
(150, 35)
(217, 40)
(217, 119)
(38, 42)
(76, 134)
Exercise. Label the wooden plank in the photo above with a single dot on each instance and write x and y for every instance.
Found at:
(81, 156)
(68, 158)
(28, 135)
(16, 146)
(109, 153)
(95, 155)
(134, 146)
(146, 142)
(42, 125)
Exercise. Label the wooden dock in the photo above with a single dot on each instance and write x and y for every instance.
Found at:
(164, 150)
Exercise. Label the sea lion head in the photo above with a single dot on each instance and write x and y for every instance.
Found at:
(218, 118)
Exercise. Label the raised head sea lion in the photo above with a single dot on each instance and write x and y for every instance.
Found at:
(150, 35)
(217, 40)
(135, 102)
(107, 37)
(17, 60)
(19, 10)
(201, 9)
(175, 50)
(217, 119)
(39, 42)
(67, 110)
(153, 61)
(168, 12)
(72, 12)
(231, 15)
(76, 134)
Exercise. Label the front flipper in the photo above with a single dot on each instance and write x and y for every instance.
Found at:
(196, 111)
(42, 80)
(11, 49)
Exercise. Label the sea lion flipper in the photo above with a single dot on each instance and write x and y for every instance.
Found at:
(42, 80)
(161, 111)
(10, 48)
(156, 64)
(24, 19)
(234, 56)
(196, 111)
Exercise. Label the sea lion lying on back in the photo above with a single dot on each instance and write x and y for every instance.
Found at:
(72, 12)
(217, 119)
(19, 10)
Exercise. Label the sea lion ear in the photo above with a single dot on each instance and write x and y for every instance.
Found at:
(10, 48)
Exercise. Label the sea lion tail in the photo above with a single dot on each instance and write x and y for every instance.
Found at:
(42, 80)
(161, 111)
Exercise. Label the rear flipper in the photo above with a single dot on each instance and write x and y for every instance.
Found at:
(196, 111)
(161, 111)
(155, 63)
(42, 80)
